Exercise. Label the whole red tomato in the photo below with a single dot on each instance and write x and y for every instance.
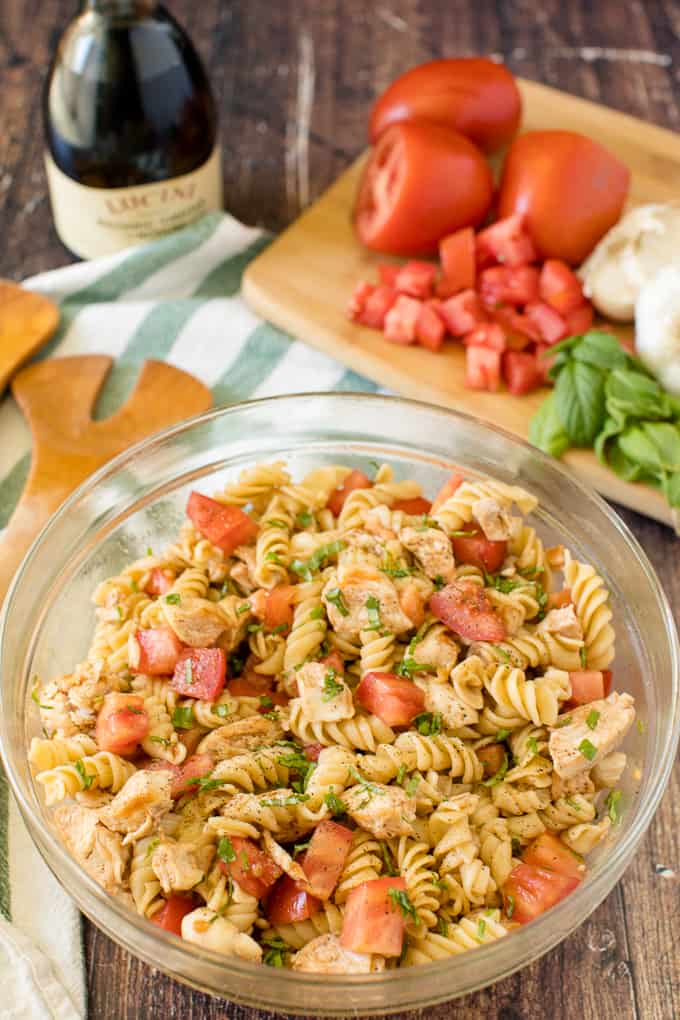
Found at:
(422, 181)
(569, 189)
(472, 95)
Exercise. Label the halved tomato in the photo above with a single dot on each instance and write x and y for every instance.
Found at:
(289, 902)
(549, 852)
(122, 723)
(355, 480)
(482, 368)
(393, 699)
(459, 267)
(465, 609)
(326, 856)
(225, 526)
(170, 916)
(529, 891)
(586, 685)
(373, 921)
(252, 869)
(422, 181)
(154, 651)
(200, 673)
(475, 548)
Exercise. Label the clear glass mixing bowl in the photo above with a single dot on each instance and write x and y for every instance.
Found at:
(137, 501)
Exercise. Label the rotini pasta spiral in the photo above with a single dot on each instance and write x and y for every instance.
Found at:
(591, 600)
(103, 770)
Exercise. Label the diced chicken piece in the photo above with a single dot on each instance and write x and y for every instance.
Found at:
(196, 622)
(324, 694)
(581, 783)
(432, 548)
(361, 590)
(437, 649)
(562, 621)
(243, 572)
(385, 811)
(176, 866)
(608, 771)
(100, 852)
(325, 955)
(205, 928)
(137, 806)
(578, 747)
(239, 736)
(493, 519)
(440, 699)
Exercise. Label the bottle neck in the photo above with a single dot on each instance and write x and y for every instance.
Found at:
(118, 8)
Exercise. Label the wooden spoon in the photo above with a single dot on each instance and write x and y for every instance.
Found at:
(57, 397)
(27, 321)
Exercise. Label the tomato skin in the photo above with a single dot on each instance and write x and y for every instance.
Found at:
(466, 610)
(355, 480)
(492, 757)
(392, 698)
(569, 189)
(415, 506)
(160, 581)
(225, 526)
(170, 916)
(521, 372)
(473, 95)
(459, 266)
(530, 891)
(200, 673)
(154, 651)
(288, 902)
(422, 181)
(372, 923)
(253, 869)
(463, 313)
(549, 852)
(482, 368)
(447, 490)
(478, 550)
(586, 685)
(560, 287)
(122, 723)
(325, 857)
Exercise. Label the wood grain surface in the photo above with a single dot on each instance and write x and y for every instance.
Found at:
(294, 82)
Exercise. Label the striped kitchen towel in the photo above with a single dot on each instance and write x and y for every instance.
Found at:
(177, 299)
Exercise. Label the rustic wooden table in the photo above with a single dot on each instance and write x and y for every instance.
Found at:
(277, 68)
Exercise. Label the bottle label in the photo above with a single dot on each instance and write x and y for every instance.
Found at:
(100, 221)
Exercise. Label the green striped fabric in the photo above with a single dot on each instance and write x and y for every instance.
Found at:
(177, 299)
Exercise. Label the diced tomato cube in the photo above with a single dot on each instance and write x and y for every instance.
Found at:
(154, 651)
(355, 480)
(412, 603)
(475, 548)
(547, 321)
(559, 599)
(465, 609)
(586, 685)
(160, 581)
(122, 723)
(517, 328)
(357, 301)
(171, 914)
(489, 335)
(482, 368)
(430, 328)
(416, 279)
(334, 660)
(274, 607)
(377, 306)
(608, 678)
(393, 699)
(560, 287)
(288, 902)
(506, 242)
(521, 372)
(200, 673)
(415, 506)
(312, 751)
(194, 768)
(549, 852)
(579, 320)
(544, 361)
(326, 857)
(388, 272)
(402, 319)
(252, 869)
(463, 313)
(457, 256)
(501, 285)
(373, 921)
(225, 526)
(250, 684)
(492, 757)
(447, 490)
(529, 891)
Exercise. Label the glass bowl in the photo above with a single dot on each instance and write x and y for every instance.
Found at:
(137, 501)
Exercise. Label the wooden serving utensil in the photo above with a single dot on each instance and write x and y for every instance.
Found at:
(27, 321)
(57, 397)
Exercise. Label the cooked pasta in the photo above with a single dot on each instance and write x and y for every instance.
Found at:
(314, 686)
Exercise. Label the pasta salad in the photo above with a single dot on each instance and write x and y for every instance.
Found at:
(339, 728)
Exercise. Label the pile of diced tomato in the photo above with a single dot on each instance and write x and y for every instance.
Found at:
(490, 292)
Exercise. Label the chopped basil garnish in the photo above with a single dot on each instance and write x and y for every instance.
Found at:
(225, 850)
(400, 901)
(373, 613)
(317, 613)
(583, 656)
(304, 519)
(183, 717)
(510, 907)
(306, 568)
(592, 719)
(243, 609)
(85, 778)
(498, 777)
(612, 805)
(336, 598)
(429, 724)
(173, 599)
(335, 805)
(331, 687)
(587, 749)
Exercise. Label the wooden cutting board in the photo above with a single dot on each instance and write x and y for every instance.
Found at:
(303, 280)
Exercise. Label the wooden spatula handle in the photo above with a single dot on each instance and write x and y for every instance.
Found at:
(57, 397)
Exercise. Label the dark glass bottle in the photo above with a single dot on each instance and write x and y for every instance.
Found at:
(131, 128)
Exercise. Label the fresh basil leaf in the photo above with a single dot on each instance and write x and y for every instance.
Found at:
(546, 430)
(579, 402)
(612, 428)
(602, 350)
(665, 437)
(621, 464)
(637, 395)
(671, 488)
(558, 364)
(636, 445)
(567, 345)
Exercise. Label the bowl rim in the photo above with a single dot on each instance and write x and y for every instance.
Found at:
(554, 920)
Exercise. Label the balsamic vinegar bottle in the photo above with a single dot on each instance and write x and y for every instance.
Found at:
(131, 129)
